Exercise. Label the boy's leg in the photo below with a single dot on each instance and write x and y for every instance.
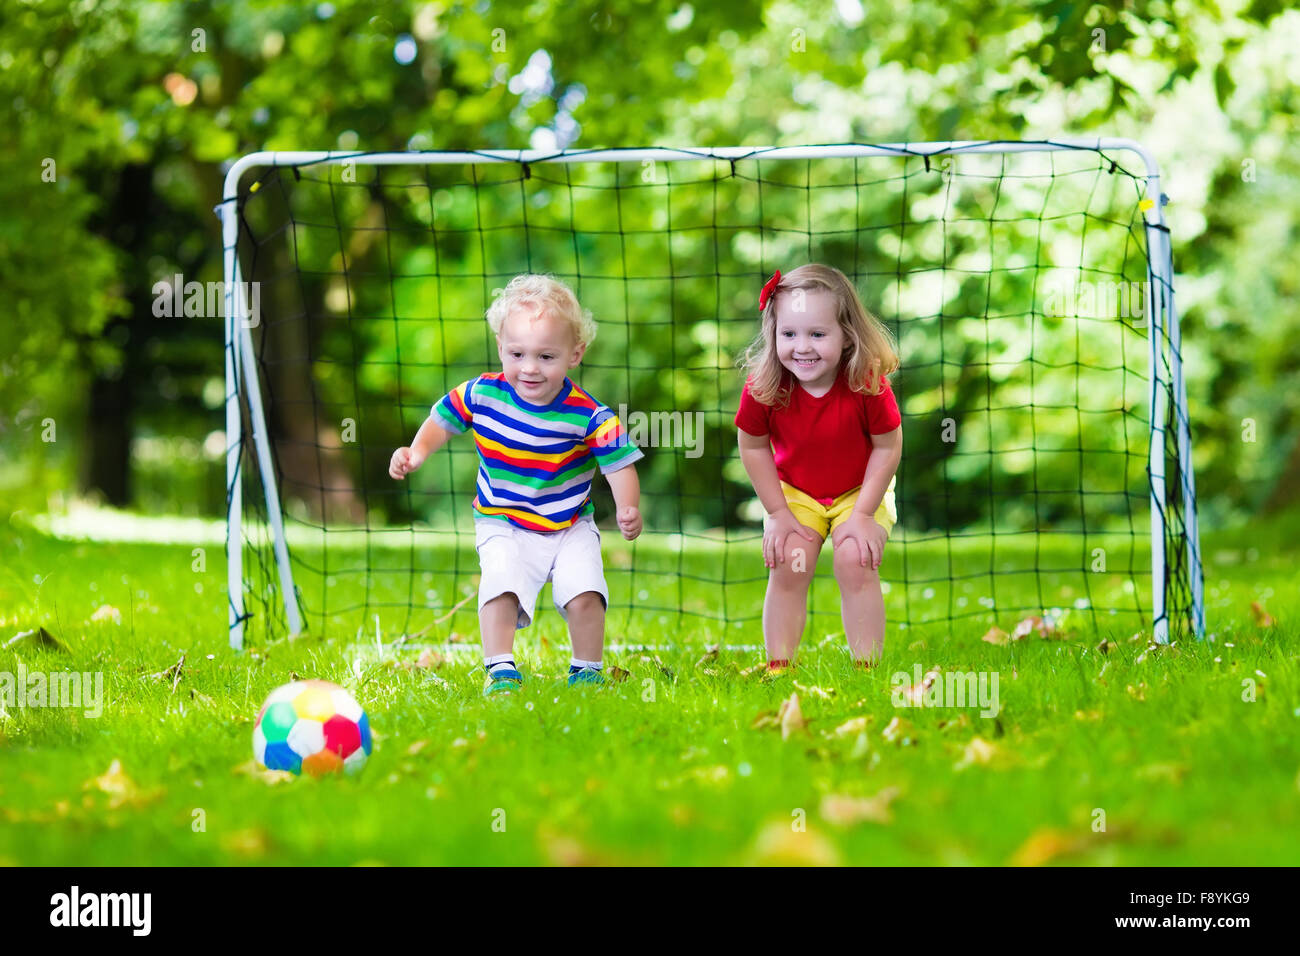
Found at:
(785, 606)
(497, 620)
(586, 615)
(862, 605)
(508, 584)
(580, 592)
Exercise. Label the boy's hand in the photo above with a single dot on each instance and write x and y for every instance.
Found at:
(629, 521)
(870, 535)
(779, 527)
(403, 463)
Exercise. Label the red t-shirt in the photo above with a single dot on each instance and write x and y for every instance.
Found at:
(821, 445)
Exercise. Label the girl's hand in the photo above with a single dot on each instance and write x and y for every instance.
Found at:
(629, 522)
(404, 462)
(869, 534)
(779, 527)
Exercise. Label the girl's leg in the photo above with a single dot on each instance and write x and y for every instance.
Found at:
(862, 606)
(785, 607)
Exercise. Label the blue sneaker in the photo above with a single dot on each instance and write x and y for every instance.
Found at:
(503, 682)
(586, 676)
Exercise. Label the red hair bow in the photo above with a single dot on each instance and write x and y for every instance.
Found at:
(768, 288)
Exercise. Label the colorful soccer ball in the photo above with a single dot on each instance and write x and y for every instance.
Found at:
(311, 725)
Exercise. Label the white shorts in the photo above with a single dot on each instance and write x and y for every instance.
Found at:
(518, 561)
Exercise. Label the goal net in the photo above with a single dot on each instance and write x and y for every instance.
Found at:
(1046, 462)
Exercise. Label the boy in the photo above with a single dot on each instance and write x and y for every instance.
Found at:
(540, 440)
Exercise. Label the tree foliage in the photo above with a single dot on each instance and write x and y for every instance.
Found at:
(138, 105)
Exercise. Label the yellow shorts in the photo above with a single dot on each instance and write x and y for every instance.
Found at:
(824, 519)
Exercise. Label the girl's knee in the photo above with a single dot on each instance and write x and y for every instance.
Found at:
(849, 570)
(791, 576)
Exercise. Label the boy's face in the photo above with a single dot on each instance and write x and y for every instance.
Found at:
(809, 340)
(536, 352)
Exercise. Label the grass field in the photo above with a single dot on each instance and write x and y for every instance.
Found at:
(684, 761)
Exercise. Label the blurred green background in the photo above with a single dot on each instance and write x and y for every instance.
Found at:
(119, 116)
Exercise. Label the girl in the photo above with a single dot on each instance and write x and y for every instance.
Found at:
(820, 438)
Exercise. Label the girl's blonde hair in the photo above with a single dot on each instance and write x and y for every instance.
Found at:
(868, 359)
(541, 294)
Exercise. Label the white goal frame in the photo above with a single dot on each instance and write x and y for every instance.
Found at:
(1162, 320)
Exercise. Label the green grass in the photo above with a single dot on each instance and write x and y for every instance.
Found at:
(664, 767)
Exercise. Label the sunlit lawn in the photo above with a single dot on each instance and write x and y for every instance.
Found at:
(665, 765)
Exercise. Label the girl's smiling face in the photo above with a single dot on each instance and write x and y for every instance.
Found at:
(809, 339)
(537, 352)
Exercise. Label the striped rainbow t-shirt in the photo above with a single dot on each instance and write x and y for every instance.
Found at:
(536, 462)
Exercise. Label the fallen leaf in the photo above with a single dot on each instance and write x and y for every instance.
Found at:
(252, 768)
(663, 668)
(106, 612)
(1261, 616)
(792, 721)
(960, 722)
(249, 842)
(916, 692)
(900, 731)
(1170, 772)
(430, 659)
(113, 781)
(710, 655)
(714, 774)
(996, 636)
(978, 751)
(1106, 646)
(563, 849)
(1047, 844)
(200, 698)
(618, 674)
(38, 637)
(845, 811)
(1031, 625)
(852, 727)
(172, 673)
(120, 788)
(778, 844)
(819, 692)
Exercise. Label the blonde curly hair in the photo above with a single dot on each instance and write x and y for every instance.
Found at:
(541, 295)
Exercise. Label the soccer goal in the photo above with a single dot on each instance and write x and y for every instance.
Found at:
(1046, 469)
